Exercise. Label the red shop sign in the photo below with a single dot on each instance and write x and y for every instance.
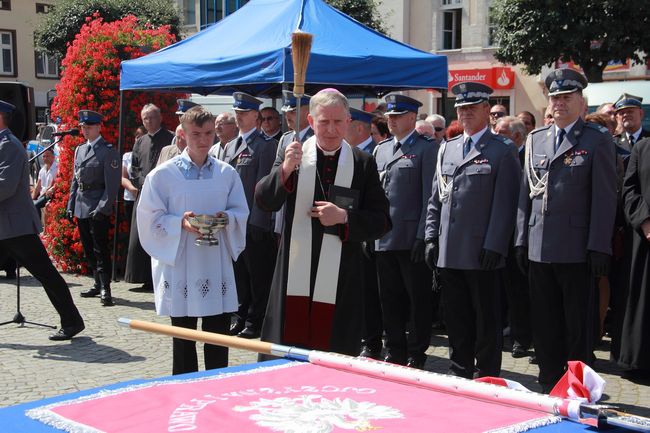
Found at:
(498, 77)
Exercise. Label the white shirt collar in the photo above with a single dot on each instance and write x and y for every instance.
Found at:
(303, 131)
(635, 135)
(92, 143)
(567, 128)
(405, 138)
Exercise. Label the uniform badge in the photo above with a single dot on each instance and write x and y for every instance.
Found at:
(568, 159)
(114, 163)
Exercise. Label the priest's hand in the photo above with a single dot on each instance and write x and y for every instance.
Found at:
(292, 158)
(185, 224)
(328, 213)
(222, 214)
(645, 228)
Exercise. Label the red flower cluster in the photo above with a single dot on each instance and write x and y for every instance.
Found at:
(90, 80)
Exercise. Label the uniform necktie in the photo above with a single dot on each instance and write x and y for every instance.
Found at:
(560, 138)
(631, 140)
(467, 146)
(396, 147)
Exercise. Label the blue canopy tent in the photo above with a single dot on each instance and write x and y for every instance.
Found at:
(250, 51)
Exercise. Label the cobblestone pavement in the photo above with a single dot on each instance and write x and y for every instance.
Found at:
(33, 367)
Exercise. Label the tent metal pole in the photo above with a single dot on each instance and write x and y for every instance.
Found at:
(120, 147)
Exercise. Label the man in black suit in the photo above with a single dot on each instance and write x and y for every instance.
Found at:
(20, 225)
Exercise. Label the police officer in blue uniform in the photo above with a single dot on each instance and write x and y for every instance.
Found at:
(470, 219)
(406, 164)
(371, 345)
(20, 225)
(252, 154)
(565, 220)
(95, 184)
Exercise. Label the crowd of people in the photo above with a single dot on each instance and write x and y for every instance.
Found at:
(360, 233)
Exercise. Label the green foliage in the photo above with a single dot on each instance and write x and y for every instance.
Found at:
(58, 28)
(364, 11)
(589, 32)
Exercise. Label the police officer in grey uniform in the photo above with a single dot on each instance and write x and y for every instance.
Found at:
(470, 220)
(252, 154)
(20, 225)
(565, 220)
(406, 164)
(95, 183)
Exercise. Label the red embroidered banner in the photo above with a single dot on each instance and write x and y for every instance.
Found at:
(286, 398)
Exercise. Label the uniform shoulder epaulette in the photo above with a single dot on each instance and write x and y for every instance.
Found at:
(426, 137)
(504, 140)
(384, 141)
(541, 128)
(597, 127)
(109, 145)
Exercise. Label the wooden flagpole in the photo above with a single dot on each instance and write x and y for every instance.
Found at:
(571, 409)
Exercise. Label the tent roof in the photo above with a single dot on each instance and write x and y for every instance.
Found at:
(250, 51)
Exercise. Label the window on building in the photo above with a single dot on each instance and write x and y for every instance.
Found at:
(451, 29)
(452, 2)
(8, 47)
(5, 5)
(47, 66)
(43, 8)
(189, 12)
(212, 11)
(492, 28)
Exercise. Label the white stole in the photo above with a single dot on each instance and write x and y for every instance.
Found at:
(299, 272)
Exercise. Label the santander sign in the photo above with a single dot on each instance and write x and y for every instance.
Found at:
(497, 77)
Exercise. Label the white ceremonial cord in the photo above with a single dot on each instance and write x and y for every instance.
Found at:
(536, 184)
(444, 187)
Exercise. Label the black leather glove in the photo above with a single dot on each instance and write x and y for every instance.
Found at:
(521, 257)
(417, 252)
(431, 254)
(98, 216)
(368, 249)
(489, 259)
(69, 215)
(598, 263)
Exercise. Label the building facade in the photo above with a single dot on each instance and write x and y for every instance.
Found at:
(20, 61)
(199, 14)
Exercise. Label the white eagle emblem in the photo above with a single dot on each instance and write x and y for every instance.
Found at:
(316, 414)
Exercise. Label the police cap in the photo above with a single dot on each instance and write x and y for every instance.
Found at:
(564, 80)
(290, 100)
(361, 116)
(471, 93)
(628, 101)
(400, 104)
(89, 117)
(245, 102)
(184, 105)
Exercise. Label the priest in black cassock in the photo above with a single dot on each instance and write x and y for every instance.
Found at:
(635, 339)
(146, 151)
(334, 201)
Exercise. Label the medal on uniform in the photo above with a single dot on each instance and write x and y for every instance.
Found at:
(568, 160)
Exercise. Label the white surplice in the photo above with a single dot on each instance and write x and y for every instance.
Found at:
(191, 280)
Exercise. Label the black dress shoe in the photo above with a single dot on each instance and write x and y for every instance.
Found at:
(519, 351)
(370, 352)
(249, 332)
(236, 327)
(416, 362)
(395, 359)
(66, 333)
(90, 293)
(533, 360)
